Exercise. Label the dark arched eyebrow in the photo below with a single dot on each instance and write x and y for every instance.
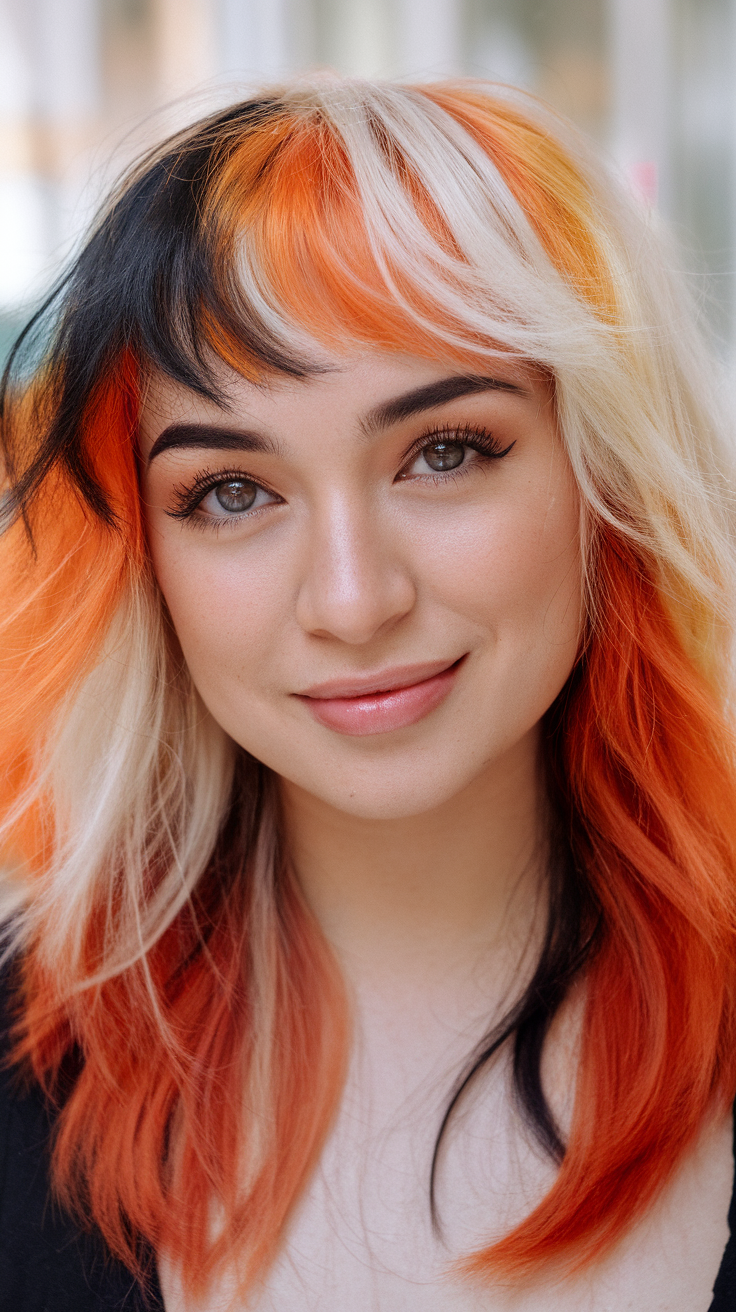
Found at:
(431, 395)
(210, 437)
(213, 437)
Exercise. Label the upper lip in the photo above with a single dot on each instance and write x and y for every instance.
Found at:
(390, 680)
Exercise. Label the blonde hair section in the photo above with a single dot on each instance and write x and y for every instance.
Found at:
(137, 777)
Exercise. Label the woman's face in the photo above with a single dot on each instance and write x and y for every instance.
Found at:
(374, 574)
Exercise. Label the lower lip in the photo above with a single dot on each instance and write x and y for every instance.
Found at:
(381, 712)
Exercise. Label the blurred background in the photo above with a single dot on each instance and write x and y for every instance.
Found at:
(86, 84)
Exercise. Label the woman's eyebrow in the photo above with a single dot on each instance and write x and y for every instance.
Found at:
(433, 394)
(213, 437)
(209, 437)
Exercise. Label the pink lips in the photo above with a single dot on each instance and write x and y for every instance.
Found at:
(393, 699)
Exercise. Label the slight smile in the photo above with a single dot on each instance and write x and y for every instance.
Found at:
(379, 703)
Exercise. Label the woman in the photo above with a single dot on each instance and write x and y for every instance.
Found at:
(368, 806)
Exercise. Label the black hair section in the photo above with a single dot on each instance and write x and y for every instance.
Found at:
(572, 934)
(149, 279)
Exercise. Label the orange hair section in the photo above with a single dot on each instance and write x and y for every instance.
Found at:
(157, 1140)
(290, 193)
(61, 584)
(646, 763)
(544, 180)
(293, 197)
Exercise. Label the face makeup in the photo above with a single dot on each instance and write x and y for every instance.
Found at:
(374, 573)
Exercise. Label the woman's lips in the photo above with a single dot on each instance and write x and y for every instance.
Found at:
(380, 703)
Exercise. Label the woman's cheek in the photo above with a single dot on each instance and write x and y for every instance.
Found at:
(227, 613)
(515, 561)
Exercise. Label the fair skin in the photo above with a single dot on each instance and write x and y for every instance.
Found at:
(375, 578)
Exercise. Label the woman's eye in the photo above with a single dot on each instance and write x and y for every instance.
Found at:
(234, 497)
(449, 451)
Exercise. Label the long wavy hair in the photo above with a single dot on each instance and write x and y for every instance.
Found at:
(175, 998)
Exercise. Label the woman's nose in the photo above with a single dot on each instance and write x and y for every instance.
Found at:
(354, 585)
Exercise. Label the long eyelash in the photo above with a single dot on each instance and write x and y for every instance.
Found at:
(476, 437)
(187, 496)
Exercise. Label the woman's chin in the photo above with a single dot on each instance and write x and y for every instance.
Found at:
(412, 784)
(379, 795)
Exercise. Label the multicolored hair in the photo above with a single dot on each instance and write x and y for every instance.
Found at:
(174, 995)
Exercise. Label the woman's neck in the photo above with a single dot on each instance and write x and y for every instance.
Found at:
(427, 896)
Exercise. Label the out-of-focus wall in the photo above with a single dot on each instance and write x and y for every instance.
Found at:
(84, 84)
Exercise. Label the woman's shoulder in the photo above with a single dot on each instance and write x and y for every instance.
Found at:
(46, 1263)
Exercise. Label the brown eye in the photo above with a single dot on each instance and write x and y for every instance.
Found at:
(236, 496)
(444, 455)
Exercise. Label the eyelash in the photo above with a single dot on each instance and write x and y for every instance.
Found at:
(189, 497)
